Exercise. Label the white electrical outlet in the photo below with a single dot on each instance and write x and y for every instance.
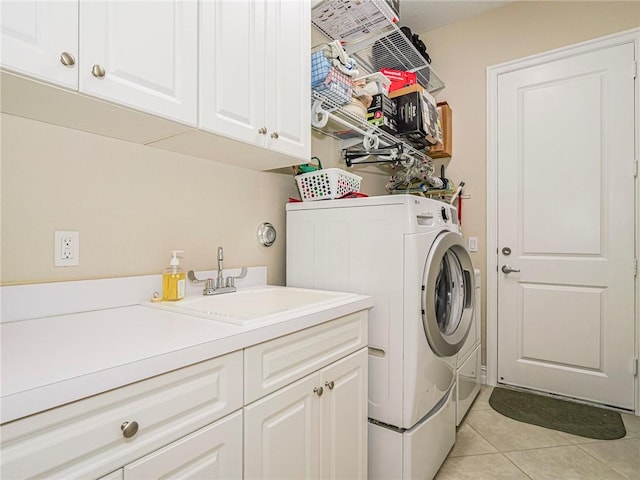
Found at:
(66, 248)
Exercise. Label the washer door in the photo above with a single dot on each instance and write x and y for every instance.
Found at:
(448, 290)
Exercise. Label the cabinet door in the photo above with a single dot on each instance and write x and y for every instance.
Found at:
(213, 452)
(35, 34)
(232, 78)
(288, 77)
(147, 52)
(343, 424)
(281, 433)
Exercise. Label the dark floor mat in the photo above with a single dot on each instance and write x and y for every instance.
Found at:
(565, 416)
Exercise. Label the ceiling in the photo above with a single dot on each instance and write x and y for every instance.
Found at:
(422, 16)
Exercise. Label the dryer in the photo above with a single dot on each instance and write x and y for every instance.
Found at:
(407, 253)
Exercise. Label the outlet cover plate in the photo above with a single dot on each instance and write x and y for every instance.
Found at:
(66, 248)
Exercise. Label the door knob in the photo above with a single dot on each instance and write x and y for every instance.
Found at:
(262, 130)
(67, 59)
(329, 385)
(275, 135)
(508, 269)
(98, 71)
(318, 391)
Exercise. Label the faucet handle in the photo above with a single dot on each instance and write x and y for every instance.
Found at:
(209, 287)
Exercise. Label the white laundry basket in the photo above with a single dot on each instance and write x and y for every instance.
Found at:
(327, 184)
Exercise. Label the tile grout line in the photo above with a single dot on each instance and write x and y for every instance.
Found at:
(601, 461)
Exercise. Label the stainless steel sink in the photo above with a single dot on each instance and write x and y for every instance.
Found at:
(254, 305)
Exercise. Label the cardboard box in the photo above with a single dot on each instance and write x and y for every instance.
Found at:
(418, 119)
(383, 113)
(409, 89)
(444, 148)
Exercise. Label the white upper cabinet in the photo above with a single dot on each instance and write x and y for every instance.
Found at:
(288, 77)
(40, 39)
(194, 77)
(142, 54)
(255, 73)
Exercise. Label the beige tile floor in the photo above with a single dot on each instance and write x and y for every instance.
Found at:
(493, 447)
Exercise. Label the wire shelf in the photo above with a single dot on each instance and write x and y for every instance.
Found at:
(369, 33)
(355, 127)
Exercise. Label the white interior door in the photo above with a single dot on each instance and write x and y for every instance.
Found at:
(565, 158)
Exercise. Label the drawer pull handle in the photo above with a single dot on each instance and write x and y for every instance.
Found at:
(318, 391)
(129, 429)
(329, 385)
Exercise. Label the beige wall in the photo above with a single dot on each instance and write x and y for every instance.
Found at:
(462, 52)
(132, 204)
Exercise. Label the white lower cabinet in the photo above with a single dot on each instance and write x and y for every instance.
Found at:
(282, 433)
(313, 428)
(97, 435)
(213, 452)
(343, 420)
(304, 416)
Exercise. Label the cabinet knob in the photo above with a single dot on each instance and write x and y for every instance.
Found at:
(98, 71)
(129, 429)
(274, 135)
(329, 385)
(318, 391)
(67, 59)
(262, 130)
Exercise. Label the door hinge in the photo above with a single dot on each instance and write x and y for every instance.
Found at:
(635, 169)
(634, 367)
(635, 267)
(635, 69)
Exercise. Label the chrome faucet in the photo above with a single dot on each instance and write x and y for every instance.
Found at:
(220, 284)
(220, 280)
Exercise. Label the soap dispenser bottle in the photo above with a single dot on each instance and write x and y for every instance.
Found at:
(173, 279)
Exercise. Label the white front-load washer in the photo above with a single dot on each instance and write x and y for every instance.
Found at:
(407, 253)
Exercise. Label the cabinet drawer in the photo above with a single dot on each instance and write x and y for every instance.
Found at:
(213, 452)
(84, 438)
(279, 362)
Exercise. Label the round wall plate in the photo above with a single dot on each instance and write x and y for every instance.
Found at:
(266, 234)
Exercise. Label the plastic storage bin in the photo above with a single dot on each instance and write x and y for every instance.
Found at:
(327, 184)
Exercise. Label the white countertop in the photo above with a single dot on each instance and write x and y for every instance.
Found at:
(50, 361)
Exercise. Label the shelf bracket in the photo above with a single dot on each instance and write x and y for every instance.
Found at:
(319, 116)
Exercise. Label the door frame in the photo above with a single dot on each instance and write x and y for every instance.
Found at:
(493, 73)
